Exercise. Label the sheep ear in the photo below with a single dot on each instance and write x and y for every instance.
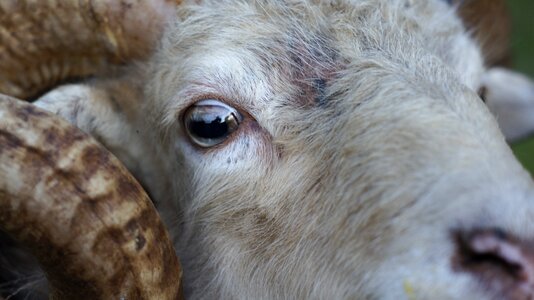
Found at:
(510, 97)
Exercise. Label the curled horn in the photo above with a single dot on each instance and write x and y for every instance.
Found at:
(93, 229)
(78, 210)
(44, 43)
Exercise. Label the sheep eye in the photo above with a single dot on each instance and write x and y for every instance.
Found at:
(210, 122)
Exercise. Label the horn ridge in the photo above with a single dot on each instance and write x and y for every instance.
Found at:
(80, 212)
(44, 43)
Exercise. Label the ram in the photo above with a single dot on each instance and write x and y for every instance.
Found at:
(293, 149)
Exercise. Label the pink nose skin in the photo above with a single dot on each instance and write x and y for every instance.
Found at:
(502, 263)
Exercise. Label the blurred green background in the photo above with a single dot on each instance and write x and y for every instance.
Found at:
(522, 12)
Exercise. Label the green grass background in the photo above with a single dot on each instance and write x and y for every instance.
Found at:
(522, 12)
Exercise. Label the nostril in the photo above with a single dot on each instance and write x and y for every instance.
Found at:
(494, 248)
(501, 262)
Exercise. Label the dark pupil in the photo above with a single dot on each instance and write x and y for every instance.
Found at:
(215, 129)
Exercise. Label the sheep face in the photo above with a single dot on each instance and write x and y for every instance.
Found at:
(362, 165)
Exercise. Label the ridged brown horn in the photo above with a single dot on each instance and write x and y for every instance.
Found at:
(88, 222)
(490, 24)
(43, 43)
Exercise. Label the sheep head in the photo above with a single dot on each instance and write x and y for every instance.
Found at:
(323, 149)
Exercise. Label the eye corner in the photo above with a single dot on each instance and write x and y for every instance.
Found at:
(482, 93)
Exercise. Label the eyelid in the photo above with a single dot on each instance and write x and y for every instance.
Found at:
(213, 102)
